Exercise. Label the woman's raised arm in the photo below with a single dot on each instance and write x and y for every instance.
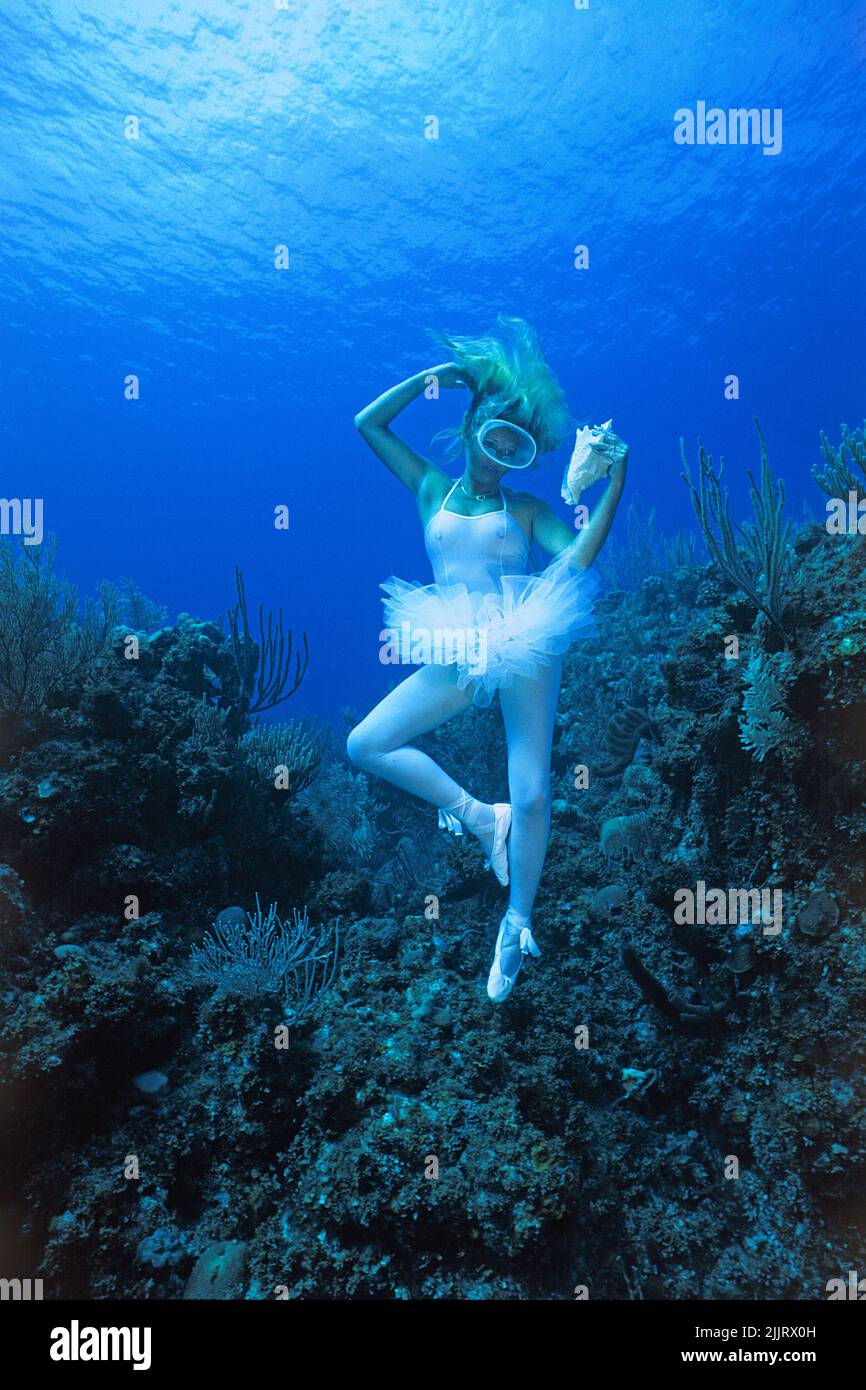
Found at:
(551, 531)
(372, 423)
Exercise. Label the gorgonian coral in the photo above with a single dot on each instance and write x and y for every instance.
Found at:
(264, 954)
(764, 723)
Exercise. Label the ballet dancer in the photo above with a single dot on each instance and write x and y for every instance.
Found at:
(486, 626)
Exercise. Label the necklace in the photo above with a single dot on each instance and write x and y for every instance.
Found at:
(476, 496)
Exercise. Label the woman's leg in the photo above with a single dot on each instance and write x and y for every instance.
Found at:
(528, 710)
(380, 745)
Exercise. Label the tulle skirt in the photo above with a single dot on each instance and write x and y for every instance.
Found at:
(489, 638)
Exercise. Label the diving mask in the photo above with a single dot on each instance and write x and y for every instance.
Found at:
(506, 445)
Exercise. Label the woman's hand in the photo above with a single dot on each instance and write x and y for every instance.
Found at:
(592, 537)
(610, 446)
(450, 376)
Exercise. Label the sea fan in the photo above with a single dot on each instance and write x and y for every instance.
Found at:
(764, 724)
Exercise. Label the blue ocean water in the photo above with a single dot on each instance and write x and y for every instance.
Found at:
(305, 125)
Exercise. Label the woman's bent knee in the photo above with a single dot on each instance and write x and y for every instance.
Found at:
(363, 747)
(357, 747)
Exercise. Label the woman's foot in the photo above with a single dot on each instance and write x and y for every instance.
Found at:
(497, 857)
(515, 940)
(490, 824)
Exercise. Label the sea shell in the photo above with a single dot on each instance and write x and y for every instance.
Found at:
(585, 466)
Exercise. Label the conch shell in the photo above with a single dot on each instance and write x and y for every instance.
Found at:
(585, 466)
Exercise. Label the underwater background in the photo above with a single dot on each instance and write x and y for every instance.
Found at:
(424, 167)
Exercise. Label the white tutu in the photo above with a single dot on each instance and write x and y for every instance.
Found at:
(490, 638)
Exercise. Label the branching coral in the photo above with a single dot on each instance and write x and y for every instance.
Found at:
(263, 669)
(762, 564)
(210, 726)
(294, 747)
(838, 480)
(266, 955)
(287, 756)
(48, 640)
(680, 549)
(636, 553)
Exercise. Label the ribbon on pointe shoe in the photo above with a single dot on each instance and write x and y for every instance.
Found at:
(450, 823)
(528, 944)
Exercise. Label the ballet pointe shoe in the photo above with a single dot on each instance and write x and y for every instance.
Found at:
(500, 985)
(498, 860)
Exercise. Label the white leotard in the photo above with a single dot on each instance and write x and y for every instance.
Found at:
(475, 550)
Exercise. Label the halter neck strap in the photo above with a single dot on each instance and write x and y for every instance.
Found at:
(448, 494)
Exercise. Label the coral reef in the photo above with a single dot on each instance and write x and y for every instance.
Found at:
(48, 641)
(640, 552)
(137, 611)
(408, 1140)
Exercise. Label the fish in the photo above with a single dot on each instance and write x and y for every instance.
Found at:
(585, 466)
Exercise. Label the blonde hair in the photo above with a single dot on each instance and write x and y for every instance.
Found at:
(510, 379)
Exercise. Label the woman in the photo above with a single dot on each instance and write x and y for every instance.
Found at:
(486, 625)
